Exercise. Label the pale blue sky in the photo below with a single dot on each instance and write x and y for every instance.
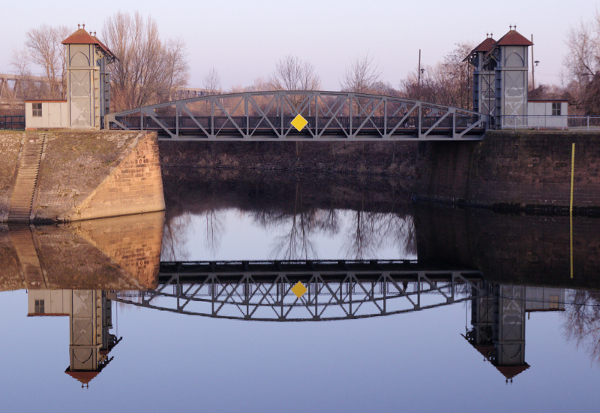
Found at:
(244, 39)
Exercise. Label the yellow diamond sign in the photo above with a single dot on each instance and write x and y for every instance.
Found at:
(299, 289)
(299, 123)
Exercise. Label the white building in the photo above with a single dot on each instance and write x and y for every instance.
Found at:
(545, 114)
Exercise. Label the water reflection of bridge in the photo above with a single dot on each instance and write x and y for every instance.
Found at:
(262, 290)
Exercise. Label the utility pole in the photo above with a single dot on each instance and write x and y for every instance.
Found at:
(419, 72)
(532, 65)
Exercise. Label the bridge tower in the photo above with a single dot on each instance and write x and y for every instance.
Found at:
(484, 78)
(500, 80)
(88, 86)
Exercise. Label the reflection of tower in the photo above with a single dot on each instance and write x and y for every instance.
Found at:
(480, 335)
(90, 319)
(508, 330)
(498, 322)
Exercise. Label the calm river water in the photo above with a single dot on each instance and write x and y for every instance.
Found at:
(405, 307)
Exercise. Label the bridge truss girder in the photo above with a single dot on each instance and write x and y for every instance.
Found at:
(331, 116)
(331, 295)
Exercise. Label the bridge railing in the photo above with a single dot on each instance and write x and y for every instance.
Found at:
(12, 122)
(562, 122)
(329, 116)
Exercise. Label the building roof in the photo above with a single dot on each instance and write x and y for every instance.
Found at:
(512, 38)
(81, 36)
(104, 47)
(83, 376)
(484, 47)
(511, 371)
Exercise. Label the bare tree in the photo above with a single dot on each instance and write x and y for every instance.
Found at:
(46, 51)
(582, 65)
(292, 74)
(212, 81)
(148, 69)
(447, 83)
(362, 75)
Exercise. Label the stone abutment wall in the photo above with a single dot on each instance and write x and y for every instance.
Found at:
(514, 170)
(83, 175)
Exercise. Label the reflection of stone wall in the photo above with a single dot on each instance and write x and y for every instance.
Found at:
(109, 254)
(523, 249)
(134, 244)
(519, 168)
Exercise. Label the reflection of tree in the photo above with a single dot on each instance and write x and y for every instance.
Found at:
(362, 239)
(296, 243)
(173, 240)
(370, 231)
(582, 321)
(215, 228)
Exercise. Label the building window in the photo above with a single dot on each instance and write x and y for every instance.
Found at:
(553, 302)
(37, 109)
(556, 109)
(39, 306)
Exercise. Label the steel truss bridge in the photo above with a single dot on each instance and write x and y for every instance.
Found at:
(331, 116)
(336, 290)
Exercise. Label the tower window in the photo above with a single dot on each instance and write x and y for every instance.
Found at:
(37, 110)
(556, 109)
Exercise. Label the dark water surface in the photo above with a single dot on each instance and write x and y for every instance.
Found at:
(408, 307)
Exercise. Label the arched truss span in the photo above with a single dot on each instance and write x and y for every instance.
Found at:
(330, 116)
(335, 291)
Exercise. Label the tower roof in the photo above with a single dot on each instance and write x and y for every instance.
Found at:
(484, 47)
(81, 36)
(511, 371)
(83, 376)
(512, 38)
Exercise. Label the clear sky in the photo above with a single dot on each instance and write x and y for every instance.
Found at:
(243, 40)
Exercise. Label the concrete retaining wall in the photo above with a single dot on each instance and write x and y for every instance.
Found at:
(522, 169)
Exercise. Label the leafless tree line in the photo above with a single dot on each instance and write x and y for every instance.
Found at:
(150, 68)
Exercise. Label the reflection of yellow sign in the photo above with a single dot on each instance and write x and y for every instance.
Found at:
(299, 289)
(299, 123)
